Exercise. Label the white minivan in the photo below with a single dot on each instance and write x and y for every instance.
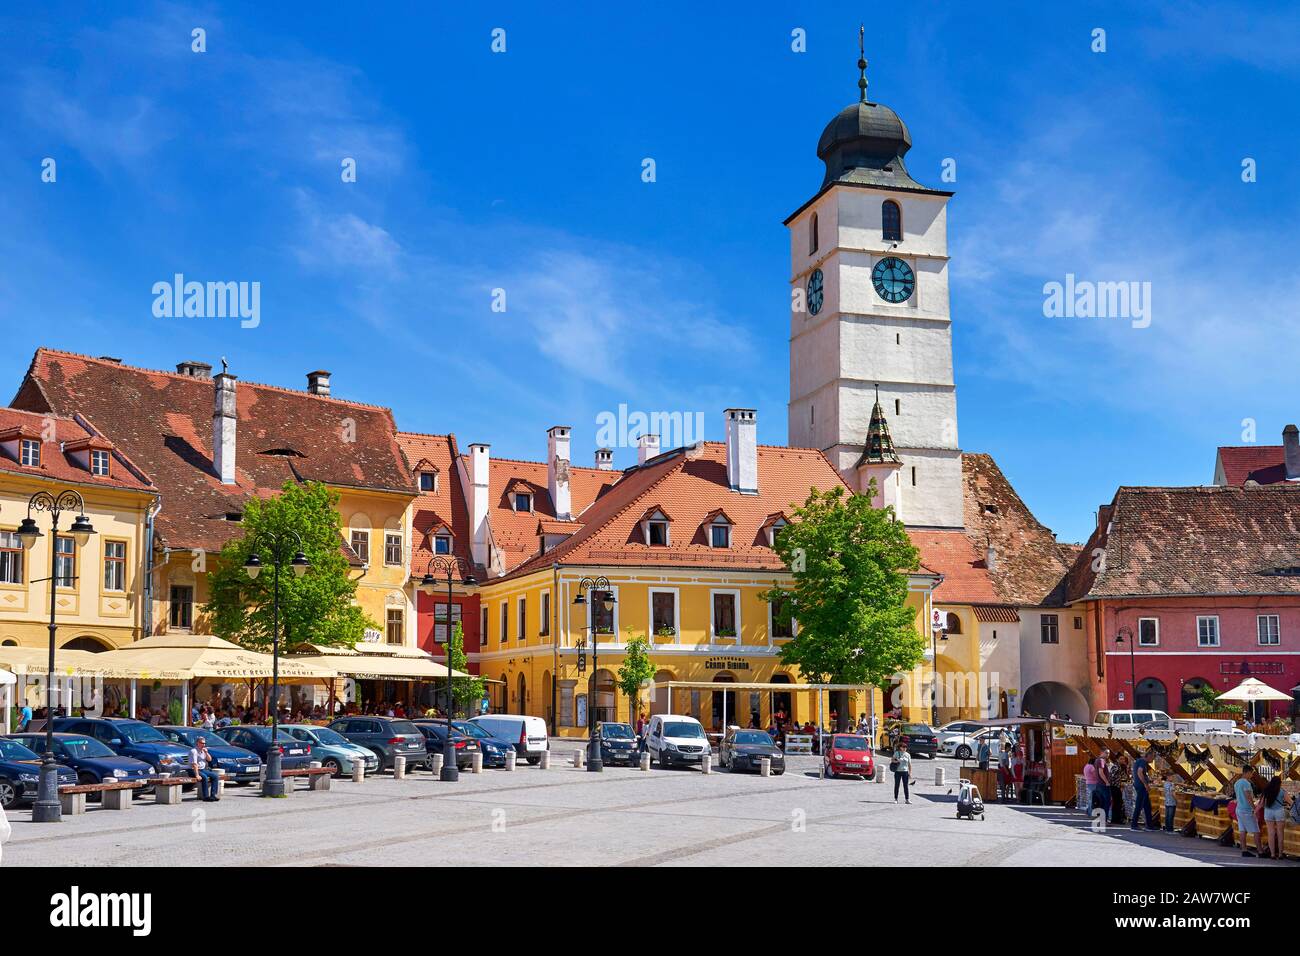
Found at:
(676, 739)
(1129, 718)
(528, 734)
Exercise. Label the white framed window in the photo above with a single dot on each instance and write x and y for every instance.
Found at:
(65, 562)
(1269, 628)
(114, 565)
(523, 501)
(604, 618)
(1207, 630)
(392, 548)
(1148, 632)
(656, 533)
(396, 626)
(665, 615)
(781, 625)
(1049, 629)
(361, 544)
(428, 481)
(29, 450)
(11, 558)
(99, 462)
(773, 530)
(442, 544)
(724, 614)
(720, 534)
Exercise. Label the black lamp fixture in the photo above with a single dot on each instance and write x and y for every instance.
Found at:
(277, 545)
(607, 600)
(47, 808)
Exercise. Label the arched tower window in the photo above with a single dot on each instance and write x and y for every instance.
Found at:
(812, 235)
(891, 220)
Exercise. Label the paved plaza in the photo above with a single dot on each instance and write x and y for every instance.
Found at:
(566, 816)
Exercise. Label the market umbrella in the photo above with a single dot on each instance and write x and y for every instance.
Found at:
(186, 657)
(1252, 691)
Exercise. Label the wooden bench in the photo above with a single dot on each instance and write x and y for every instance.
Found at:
(318, 778)
(116, 795)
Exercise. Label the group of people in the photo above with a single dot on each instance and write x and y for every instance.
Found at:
(1261, 808)
(1105, 778)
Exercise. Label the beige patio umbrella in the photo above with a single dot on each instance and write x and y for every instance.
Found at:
(1251, 690)
(186, 657)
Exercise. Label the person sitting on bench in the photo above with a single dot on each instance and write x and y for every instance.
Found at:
(202, 760)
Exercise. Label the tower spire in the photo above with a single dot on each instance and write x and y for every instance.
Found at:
(862, 65)
(879, 449)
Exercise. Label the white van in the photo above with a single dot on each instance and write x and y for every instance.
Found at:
(1129, 718)
(676, 739)
(1207, 725)
(528, 734)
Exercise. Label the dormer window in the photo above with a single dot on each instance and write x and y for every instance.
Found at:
(773, 530)
(720, 534)
(29, 450)
(657, 534)
(99, 462)
(442, 544)
(523, 501)
(428, 481)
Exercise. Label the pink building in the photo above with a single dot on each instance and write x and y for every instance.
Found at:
(1180, 588)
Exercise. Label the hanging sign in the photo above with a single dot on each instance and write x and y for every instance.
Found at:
(938, 621)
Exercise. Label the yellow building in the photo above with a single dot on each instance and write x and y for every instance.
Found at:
(99, 585)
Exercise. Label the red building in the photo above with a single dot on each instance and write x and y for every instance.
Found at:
(1181, 588)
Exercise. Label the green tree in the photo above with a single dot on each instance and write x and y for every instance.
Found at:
(849, 562)
(316, 608)
(636, 669)
(464, 690)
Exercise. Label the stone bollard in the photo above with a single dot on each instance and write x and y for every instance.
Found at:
(765, 767)
(545, 762)
(706, 763)
(645, 760)
(221, 784)
(476, 763)
(510, 759)
(399, 768)
(939, 776)
(578, 756)
(358, 770)
(261, 777)
(879, 774)
(435, 764)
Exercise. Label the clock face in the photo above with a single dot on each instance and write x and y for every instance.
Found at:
(815, 292)
(893, 279)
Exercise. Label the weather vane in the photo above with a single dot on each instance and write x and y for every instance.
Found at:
(862, 64)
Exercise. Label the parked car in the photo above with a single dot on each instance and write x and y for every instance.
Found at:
(20, 774)
(617, 743)
(294, 753)
(955, 727)
(386, 737)
(131, 738)
(849, 755)
(527, 733)
(921, 740)
(745, 750)
(676, 739)
(91, 760)
(493, 748)
(435, 742)
(243, 765)
(966, 746)
(334, 751)
(1127, 718)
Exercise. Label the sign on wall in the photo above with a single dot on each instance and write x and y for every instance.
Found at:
(726, 664)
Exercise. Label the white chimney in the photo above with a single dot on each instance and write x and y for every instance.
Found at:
(605, 459)
(318, 382)
(223, 427)
(1291, 449)
(647, 447)
(557, 470)
(742, 449)
(479, 461)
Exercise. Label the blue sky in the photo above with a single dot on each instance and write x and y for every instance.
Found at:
(522, 171)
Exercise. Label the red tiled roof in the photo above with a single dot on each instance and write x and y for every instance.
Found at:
(692, 483)
(965, 578)
(1197, 541)
(57, 461)
(163, 421)
(1265, 464)
(448, 506)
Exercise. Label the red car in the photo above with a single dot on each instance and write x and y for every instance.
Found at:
(849, 754)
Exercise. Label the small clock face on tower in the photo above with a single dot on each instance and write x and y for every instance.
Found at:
(815, 292)
(893, 279)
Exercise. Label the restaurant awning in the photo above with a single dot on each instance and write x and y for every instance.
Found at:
(376, 662)
(185, 657)
(67, 663)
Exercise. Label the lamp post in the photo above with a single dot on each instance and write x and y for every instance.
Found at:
(446, 566)
(595, 585)
(1125, 633)
(47, 808)
(276, 545)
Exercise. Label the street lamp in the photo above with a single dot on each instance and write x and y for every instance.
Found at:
(446, 565)
(47, 808)
(277, 545)
(602, 586)
(1123, 634)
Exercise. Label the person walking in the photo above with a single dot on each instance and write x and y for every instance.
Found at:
(984, 753)
(1274, 801)
(1244, 791)
(1006, 783)
(1142, 795)
(901, 765)
(202, 760)
(1090, 781)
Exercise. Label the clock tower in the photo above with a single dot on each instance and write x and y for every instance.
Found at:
(870, 330)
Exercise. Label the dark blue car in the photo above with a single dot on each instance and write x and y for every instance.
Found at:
(494, 749)
(131, 738)
(20, 773)
(241, 764)
(92, 761)
(294, 753)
